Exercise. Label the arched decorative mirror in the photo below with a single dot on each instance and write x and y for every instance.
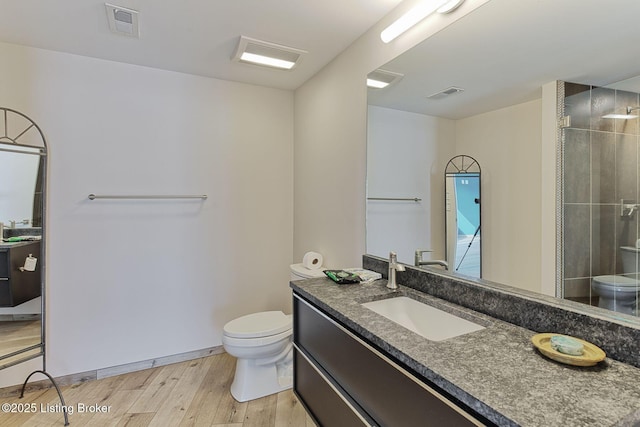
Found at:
(23, 154)
(463, 216)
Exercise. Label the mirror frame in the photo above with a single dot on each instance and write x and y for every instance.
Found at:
(456, 167)
(12, 145)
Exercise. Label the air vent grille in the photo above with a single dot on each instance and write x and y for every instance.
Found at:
(446, 92)
(122, 20)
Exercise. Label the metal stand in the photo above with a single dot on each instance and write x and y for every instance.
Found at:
(468, 247)
(64, 406)
(8, 117)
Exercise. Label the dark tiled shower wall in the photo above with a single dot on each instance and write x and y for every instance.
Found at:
(600, 169)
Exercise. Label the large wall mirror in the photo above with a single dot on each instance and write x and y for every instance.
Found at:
(22, 193)
(487, 86)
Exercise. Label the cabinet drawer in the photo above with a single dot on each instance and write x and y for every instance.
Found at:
(386, 391)
(5, 293)
(321, 399)
(4, 263)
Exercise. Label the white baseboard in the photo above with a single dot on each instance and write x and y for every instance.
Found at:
(153, 363)
(81, 377)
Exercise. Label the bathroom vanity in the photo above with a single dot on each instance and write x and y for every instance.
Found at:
(356, 367)
(363, 386)
(17, 286)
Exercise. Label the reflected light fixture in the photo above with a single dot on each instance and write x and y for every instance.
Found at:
(623, 116)
(267, 54)
(379, 79)
(417, 14)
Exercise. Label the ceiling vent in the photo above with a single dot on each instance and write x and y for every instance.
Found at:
(122, 20)
(379, 79)
(267, 54)
(444, 93)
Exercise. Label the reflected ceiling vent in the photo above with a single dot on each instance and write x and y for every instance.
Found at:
(122, 20)
(447, 92)
(379, 79)
(267, 54)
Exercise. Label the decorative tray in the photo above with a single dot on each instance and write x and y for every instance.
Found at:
(592, 354)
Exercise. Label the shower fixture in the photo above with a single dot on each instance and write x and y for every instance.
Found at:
(623, 116)
(627, 209)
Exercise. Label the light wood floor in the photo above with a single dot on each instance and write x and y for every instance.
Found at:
(18, 334)
(193, 393)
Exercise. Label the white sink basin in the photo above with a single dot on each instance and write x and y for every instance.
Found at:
(430, 322)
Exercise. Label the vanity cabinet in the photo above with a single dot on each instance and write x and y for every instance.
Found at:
(16, 286)
(334, 366)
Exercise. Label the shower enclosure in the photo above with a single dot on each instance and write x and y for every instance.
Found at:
(600, 190)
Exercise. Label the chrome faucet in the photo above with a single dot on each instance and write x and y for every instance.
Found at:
(418, 261)
(393, 267)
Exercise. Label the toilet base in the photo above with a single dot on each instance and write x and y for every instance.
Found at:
(616, 293)
(252, 380)
(620, 306)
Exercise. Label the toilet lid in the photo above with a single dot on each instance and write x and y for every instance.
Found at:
(619, 281)
(258, 325)
(303, 272)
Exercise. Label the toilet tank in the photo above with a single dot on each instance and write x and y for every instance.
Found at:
(630, 257)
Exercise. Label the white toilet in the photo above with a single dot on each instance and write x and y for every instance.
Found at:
(262, 343)
(620, 293)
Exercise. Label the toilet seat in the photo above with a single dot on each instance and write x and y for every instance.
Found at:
(256, 341)
(257, 325)
(620, 283)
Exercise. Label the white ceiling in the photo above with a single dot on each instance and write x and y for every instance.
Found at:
(196, 36)
(504, 51)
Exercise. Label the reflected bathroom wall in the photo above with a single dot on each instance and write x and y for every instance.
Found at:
(17, 199)
(406, 157)
(600, 197)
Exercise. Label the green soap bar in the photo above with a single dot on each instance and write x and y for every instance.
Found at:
(567, 345)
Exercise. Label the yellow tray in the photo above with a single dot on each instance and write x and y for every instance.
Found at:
(591, 356)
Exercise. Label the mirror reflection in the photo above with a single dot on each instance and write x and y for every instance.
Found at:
(462, 216)
(22, 164)
(600, 197)
(504, 112)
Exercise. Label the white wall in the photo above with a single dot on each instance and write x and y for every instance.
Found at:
(507, 144)
(134, 280)
(330, 141)
(407, 150)
(406, 157)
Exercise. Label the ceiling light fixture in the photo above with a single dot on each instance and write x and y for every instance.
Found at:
(122, 20)
(623, 116)
(379, 79)
(417, 14)
(267, 54)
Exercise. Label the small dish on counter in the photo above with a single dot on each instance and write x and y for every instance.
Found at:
(591, 355)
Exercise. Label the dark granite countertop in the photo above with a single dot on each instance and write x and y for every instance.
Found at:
(495, 371)
(7, 245)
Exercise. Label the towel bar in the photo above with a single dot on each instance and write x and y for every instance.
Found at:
(198, 196)
(411, 199)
